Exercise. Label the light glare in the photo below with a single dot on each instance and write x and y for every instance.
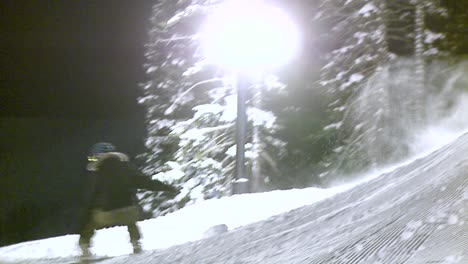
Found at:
(245, 36)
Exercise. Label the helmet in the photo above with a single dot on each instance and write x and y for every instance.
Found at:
(99, 148)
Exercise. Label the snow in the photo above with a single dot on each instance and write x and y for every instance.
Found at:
(452, 260)
(354, 78)
(181, 15)
(430, 37)
(452, 220)
(151, 69)
(241, 180)
(231, 151)
(261, 117)
(195, 134)
(333, 126)
(366, 10)
(187, 224)
(207, 109)
(443, 131)
(360, 36)
(192, 70)
(382, 215)
(172, 175)
(272, 82)
(230, 111)
(407, 234)
(401, 204)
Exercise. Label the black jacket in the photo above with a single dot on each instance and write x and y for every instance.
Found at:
(114, 183)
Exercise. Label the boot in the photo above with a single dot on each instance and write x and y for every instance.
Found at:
(136, 247)
(85, 252)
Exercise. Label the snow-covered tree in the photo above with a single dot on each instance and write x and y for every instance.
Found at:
(173, 86)
(359, 31)
(408, 28)
(191, 110)
(371, 130)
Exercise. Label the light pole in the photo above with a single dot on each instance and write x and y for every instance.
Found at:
(242, 182)
(246, 37)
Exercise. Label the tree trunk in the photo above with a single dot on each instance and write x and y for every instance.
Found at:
(419, 63)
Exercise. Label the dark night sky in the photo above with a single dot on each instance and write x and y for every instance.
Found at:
(72, 58)
(69, 78)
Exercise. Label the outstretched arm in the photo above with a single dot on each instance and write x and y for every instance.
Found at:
(145, 182)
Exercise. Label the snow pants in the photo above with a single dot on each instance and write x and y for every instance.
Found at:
(123, 216)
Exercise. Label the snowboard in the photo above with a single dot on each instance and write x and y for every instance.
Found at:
(94, 259)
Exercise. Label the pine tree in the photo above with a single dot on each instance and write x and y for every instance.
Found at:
(420, 41)
(301, 107)
(371, 131)
(190, 110)
(174, 75)
(360, 50)
(452, 22)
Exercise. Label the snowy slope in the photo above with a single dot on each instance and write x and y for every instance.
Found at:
(416, 213)
(187, 224)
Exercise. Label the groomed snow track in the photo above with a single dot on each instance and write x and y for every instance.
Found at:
(417, 213)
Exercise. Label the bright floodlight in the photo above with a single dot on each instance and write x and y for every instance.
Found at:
(249, 35)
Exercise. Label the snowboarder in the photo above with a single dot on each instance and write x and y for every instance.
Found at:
(111, 197)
